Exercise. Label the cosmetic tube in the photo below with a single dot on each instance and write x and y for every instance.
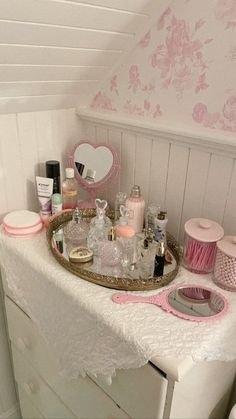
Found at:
(44, 192)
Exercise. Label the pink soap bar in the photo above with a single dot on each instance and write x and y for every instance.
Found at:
(125, 231)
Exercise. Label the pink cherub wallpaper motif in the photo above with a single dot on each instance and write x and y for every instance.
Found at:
(182, 69)
(180, 58)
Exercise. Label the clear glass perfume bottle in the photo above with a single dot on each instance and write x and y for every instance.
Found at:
(76, 230)
(101, 206)
(97, 232)
(111, 250)
(146, 254)
(120, 200)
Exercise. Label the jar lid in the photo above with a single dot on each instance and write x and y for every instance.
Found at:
(228, 246)
(136, 191)
(70, 172)
(91, 173)
(52, 168)
(204, 230)
(21, 219)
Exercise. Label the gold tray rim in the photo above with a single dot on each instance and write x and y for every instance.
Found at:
(119, 283)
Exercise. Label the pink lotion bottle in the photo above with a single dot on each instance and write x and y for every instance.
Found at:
(136, 204)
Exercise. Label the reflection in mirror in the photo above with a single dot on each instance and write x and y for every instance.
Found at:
(65, 243)
(196, 301)
(93, 162)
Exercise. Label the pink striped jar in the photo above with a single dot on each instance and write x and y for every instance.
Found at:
(201, 236)
(225, 263)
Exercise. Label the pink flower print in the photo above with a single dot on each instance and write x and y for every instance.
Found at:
(145, 40)
(146, 105)
(201, 83)
(161, 20)
(225, 121)
(229, 109)
(134, 80)
(225, 12)
(157, 112)
(180, 59)
(102, 101)
(199, 112)
(113, 84)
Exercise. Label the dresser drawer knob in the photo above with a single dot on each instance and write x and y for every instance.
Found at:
(22, 344)
(29, 388)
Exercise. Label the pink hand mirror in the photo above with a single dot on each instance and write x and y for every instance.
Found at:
(189, 302)
(95, 165)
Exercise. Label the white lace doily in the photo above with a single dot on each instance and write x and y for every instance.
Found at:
(91, 334)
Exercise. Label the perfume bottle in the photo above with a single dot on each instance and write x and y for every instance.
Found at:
(126, 236)
(160, 227)
(159, 259)
(111, 250)
(151, 215)
(135, 202)
(101, 206)
(120, 200)
(147, 253)
(98, 231)
(76, 230)
(90, 176)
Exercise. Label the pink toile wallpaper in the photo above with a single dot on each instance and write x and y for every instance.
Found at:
(183, 70)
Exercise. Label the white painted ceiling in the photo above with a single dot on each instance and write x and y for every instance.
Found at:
(54, 53)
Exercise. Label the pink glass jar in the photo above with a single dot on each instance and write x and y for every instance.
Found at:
(225, 263)
(201, 236)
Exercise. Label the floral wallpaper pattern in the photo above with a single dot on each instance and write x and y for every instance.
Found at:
(182, 70)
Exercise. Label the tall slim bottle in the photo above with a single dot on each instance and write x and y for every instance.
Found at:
(136, 204)
(70, 190)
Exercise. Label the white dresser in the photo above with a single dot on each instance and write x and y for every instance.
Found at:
(165, 388)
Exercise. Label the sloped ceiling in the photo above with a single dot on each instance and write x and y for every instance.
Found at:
(53, 53)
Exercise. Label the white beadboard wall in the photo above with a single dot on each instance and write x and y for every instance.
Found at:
(27, 140)
(187, 177)
(54, 52)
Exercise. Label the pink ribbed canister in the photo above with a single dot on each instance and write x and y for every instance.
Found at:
(225, 263)
(201, 236)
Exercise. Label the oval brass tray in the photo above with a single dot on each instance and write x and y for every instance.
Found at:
(120, 283)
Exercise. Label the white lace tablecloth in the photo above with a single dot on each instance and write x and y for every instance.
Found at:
(91, 334)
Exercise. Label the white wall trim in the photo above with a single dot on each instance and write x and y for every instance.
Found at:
(212, 141)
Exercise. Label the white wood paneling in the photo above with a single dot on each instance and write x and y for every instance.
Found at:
(36, 72)
(72, 43)
(28, 140)
(185, 178)
(70, 14)
(57, 36)
(217, 186)
(21, 54)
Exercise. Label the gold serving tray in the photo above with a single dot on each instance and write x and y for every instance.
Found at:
(119, 283)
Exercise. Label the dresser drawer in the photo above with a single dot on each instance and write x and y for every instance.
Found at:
(38, 392)
(84, 397)
(28, 410)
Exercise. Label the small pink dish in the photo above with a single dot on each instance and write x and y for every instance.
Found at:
(22, 223)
